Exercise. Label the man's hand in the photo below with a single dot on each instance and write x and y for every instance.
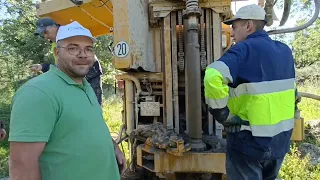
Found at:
(36, 67)
(121, 160)
(3, 134)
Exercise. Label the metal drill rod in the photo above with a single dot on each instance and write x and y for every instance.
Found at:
(193, 76)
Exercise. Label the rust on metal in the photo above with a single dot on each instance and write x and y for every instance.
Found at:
(151, 76)
(175, 70)
(160, 161)
(167, 73)
(157, 49)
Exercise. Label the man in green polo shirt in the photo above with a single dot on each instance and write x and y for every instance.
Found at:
(57, 131)
(48, 29)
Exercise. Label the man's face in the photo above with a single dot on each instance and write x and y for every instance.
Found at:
(75, 56)
(50, 33)
(239, 30)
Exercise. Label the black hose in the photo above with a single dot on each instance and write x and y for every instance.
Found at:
(286, 12)
(298, 28)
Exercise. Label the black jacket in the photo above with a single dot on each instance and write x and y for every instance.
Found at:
(1, 125)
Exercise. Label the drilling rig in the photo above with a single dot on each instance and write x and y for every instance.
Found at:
(162, 48)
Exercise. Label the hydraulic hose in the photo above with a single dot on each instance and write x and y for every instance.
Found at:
(298, 28)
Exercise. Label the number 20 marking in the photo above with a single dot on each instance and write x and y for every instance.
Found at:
(121, 49)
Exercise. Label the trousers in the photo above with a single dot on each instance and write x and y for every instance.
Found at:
(241, 167)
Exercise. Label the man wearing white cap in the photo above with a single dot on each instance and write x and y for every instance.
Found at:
(251, 91)
(48, 29)
(57, 131)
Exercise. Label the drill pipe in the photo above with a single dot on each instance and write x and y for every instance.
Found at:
(193, 81)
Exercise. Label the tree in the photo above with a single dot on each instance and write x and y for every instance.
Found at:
(19, 47)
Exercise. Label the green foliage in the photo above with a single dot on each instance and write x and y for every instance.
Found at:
(4, 159)
(310, 109)
(112, 113)
(297, 168)
(306, 45)
(5, 117)
(105, 57)
(19, 47)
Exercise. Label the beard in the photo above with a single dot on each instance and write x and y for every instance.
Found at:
(80, 70)
(75, 70)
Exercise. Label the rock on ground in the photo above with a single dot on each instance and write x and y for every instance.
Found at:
(315, 127)
(312, 150)
(312, 133)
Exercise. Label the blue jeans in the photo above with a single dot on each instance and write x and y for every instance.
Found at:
(241, 167)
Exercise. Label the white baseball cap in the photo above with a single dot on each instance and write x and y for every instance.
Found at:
(73, 29)
(252, 11)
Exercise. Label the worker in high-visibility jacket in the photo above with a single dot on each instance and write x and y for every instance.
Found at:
(251, 91)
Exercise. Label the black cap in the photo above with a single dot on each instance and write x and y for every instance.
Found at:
(42, 23)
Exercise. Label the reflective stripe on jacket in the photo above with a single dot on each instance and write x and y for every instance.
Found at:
(255, 80)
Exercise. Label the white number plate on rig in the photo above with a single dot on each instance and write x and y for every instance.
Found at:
(149, 109)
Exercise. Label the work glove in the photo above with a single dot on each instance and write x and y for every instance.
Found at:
(233, 124)
(230, 122)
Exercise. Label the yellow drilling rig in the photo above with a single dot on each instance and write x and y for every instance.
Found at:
(162, 48)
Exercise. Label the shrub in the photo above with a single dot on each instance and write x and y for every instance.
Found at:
(310, 109)
(4, 162)
(5, 116)
(297, 168)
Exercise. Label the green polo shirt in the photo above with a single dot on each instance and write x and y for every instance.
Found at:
(52, 108)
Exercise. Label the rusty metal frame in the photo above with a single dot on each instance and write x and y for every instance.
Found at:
(161, 8)
(162, 162)
(174, 66)
(167, 85)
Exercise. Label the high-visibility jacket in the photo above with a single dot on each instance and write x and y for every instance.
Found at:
(255, 79)
(53, 46)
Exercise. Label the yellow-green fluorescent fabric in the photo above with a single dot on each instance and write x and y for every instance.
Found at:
(255, 79)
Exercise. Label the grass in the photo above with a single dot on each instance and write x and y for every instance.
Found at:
(4, 158)
(294, 167)
(111, 110)
(310, 109)
(112, 114)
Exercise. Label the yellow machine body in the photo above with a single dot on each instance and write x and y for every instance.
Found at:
(150, 49)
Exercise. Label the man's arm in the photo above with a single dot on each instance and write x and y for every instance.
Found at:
(44, 67)
(121, 160)
(24, 158)
(217, 77)
(32, 120)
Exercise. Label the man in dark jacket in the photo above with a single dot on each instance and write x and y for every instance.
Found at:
(2, 131)
(251, 91)
(48, 29)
